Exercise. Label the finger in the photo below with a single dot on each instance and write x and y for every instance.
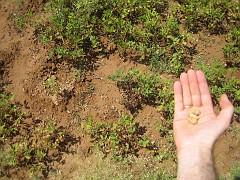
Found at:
(178, 97)
(204, 89)
(187, 99)
(194, 88)
(226, 112)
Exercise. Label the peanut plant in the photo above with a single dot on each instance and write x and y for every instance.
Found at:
(143, 27)
(216, 76)
(10, 117)
(216, 16)
(120, 139)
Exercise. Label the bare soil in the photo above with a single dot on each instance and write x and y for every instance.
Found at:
(24, 68)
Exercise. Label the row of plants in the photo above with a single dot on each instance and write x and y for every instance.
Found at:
(216, 16)
(10, 117)
(36, 145)
(125, 142)
(28, 145)
(148, 88)
(232, 49)
(145, 28)
(120, 139)
(148, 32)
(222, 80)
(151, 29)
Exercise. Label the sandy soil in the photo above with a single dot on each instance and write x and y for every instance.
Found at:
(24, 68)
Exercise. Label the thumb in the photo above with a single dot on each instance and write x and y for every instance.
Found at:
(227, 110)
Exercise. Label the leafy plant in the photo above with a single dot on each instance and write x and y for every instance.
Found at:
(165, 99)
(138, 87)
(21, 22)
(232, 48)
(52, 85)
(22, 19)
(31, 149)
(148, 86)
(122, 138)
(76, 30)
(91, 88)
(10, 117)
(216, 16)
(234, 172)
(34, 149)
(151, 89)
(163, 60)
(216, 74)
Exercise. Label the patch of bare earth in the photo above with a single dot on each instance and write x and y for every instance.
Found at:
(25, 68)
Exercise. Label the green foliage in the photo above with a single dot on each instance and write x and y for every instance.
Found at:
(76, 28)
(169, 60)
(33, 150)
(165, 99)
(91, 88)
(53, 86)
(10, 117)
(149, 87)
(138, 87)
(121, 138)
(50, 82)
(71, 28)
(51, 136)
(21, 147)
(232, 48)
(216, 74)
(140, 25)
(234, 172)
(214, 15)
(21, 20)
(145, 31)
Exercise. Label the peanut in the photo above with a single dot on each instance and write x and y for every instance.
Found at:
(193, 121)
(193, 115)
(195, 111)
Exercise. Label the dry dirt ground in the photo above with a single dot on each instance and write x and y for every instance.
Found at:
(24, 68)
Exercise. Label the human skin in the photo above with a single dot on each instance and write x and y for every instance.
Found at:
(195, 142)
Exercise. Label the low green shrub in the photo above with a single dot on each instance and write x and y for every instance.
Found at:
(137, 28)
(10, 117)
(221, 81)
(232, 48)
(121, 138)
(216, 16)
(27, 145)
(148, 86)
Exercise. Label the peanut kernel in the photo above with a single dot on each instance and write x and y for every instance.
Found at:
(194, 115)
(193, 121)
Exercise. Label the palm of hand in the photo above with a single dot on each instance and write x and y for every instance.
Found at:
(193, 90)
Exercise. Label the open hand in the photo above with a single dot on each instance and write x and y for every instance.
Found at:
(192, 91)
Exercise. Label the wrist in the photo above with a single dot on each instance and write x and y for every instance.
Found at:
(195, 162)
(193, 149)
(194, 153)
